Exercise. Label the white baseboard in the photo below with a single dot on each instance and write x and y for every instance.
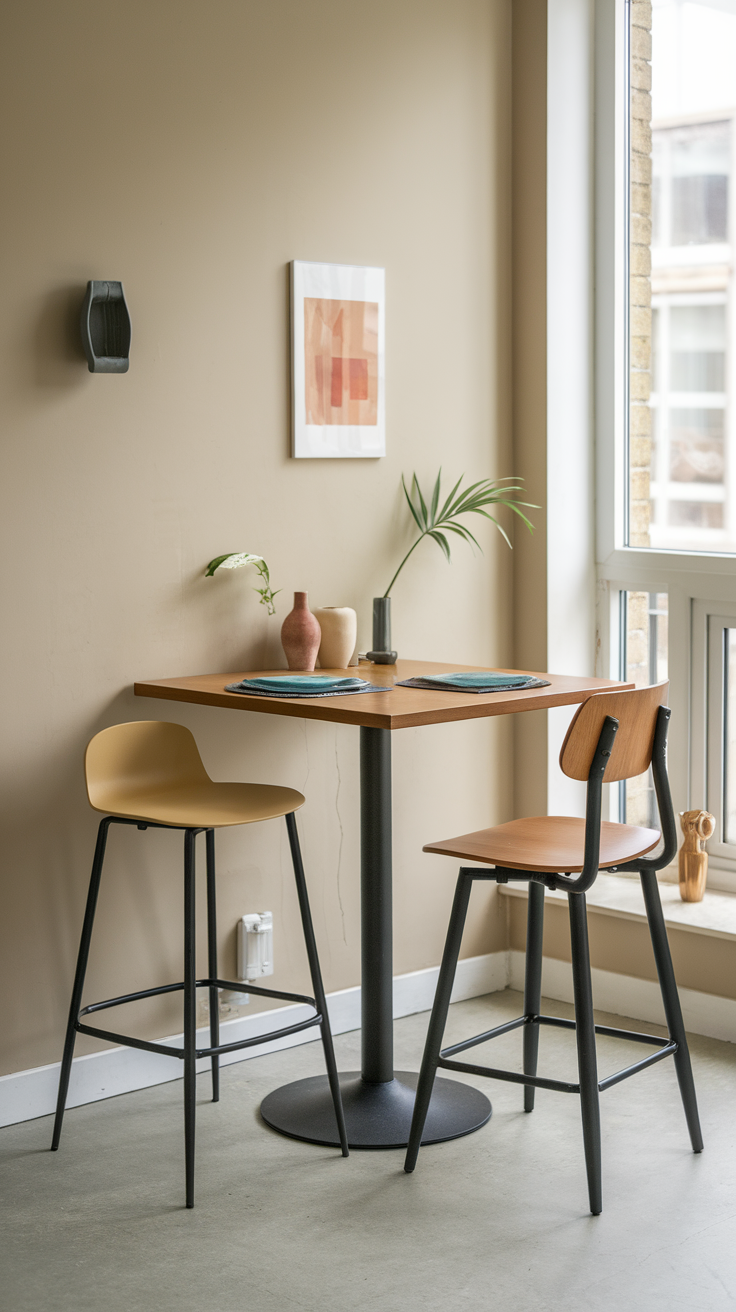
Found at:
(624, 995)
(26, 1095)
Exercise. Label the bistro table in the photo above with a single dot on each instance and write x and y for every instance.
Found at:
(378, 1101)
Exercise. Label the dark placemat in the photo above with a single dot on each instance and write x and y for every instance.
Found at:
(476, 682)
(313, 687)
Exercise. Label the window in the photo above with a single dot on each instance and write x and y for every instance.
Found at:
(666, 386)
(682, 442)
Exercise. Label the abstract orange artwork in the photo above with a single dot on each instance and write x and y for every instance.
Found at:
(340, 361)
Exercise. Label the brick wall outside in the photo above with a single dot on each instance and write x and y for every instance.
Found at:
(640, 271)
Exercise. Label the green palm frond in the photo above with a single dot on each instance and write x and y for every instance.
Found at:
(435, 522)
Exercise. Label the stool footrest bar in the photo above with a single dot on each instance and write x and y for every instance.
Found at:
(261, 1038)
(235, 986)
(130, 997)
(242, 986)
(483, 1038)
(633, 1035)
(611, 1030)
(162, 1048)
(512, 1077)
(562, 1022)
(166, 1050)
(668, 1050)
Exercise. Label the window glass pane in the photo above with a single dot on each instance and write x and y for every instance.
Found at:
(694, 514)
(695, 447)
(697, 348)
(645, 635)
(692, 165)
(682, 435)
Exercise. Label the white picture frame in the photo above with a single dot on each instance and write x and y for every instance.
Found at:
(338, 328)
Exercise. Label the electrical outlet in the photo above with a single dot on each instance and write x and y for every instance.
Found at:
(255, 946)
(229, 1003)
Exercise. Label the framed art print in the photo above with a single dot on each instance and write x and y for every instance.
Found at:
(338, 317)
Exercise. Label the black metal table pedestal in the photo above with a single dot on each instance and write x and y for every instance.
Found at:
(376, 1115)
(378, 1104)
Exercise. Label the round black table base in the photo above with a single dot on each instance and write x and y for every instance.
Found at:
(376, 1115)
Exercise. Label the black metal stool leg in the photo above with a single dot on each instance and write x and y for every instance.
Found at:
(533, 985)
(212, 961)
(438, 1019)
(585, 1034)
(671, 1000)
(82, 959)
(316, 975)
(190, 1010)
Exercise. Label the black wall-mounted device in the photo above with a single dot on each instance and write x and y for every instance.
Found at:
(106, 328)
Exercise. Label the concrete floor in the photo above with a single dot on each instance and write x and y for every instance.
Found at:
(498, 1220)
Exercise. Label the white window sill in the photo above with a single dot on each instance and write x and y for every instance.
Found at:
(618, 895)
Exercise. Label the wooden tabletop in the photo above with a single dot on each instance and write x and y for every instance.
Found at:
(402, 708)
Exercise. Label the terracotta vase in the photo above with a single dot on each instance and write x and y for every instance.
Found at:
(698, 827)
(300, 635)
(339, 625)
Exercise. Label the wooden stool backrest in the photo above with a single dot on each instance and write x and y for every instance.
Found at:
(636, 712)
(141, 756)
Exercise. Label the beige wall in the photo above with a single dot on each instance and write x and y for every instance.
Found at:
(192, 150)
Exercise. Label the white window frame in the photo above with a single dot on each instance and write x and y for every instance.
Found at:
(707, 765)
(698, 584)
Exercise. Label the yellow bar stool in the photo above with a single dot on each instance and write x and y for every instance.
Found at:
(613, 736)
(150, 774)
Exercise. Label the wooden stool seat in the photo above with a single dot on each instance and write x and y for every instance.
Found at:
(552, 844)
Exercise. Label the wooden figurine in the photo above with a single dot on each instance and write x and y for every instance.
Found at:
(698, 827)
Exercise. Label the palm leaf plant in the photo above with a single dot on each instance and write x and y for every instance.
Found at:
(435, 521)
(236, 560)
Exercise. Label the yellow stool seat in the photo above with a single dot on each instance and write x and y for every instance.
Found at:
(152, 771)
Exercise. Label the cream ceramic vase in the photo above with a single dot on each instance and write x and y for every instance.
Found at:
(339, 625)
(300, 635)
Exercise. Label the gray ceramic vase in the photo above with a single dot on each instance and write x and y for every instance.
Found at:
(382, 653)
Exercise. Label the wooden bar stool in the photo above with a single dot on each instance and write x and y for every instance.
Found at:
(150, 774)
(613, 736)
